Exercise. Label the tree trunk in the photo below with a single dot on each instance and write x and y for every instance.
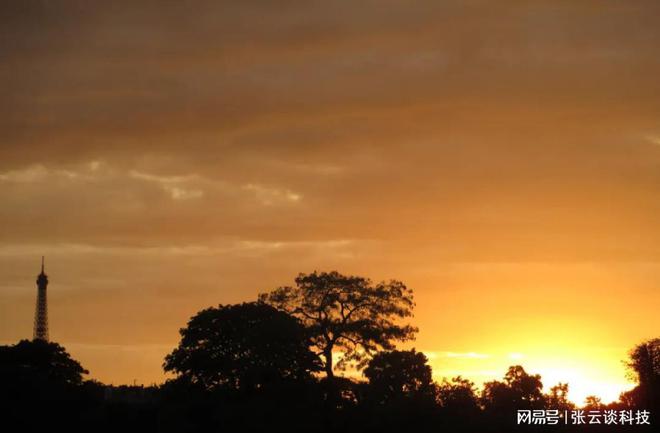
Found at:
(332, 396)
(327, 354)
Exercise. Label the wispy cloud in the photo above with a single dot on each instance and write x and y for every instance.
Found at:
(269, 196)
(176, 186)
(191, 186)
(653, 139)
(216, 248)
(40, 173)
(460, 355)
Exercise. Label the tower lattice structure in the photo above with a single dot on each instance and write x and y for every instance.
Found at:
(41, 311)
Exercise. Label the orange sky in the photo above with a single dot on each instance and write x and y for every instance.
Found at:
(500, 158)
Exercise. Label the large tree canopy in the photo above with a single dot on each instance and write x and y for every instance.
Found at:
(243, 346)
(39, 362)
(349, 314)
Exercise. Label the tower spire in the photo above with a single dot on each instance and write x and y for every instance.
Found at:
(41, 310)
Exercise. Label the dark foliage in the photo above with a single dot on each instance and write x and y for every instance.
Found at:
(348, 314)
(246, 346)
(458, 397)
(39, 362)
(399, 375)
(251, 368)
(400, 393)
(519, 390)
(644, 365)
(38, 377)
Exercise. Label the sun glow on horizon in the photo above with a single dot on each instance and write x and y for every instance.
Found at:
(604, 378)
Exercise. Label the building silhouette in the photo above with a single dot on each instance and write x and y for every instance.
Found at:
(41, 310)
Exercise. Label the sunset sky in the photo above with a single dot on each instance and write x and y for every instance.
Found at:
(502, 158)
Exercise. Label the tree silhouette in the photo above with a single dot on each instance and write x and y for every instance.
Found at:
(557, 398)
(644, 364)
(39, 361)
(519, 390)
(40, 377)
(458, 396)
(245, 346)
(593, 402)
(349, 314)
(645, 361)
(399, 374)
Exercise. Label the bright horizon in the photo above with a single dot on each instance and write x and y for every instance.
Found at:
(561, 356)
(502, 160)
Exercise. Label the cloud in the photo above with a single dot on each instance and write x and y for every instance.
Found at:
(31, 174)
(237, 247)
(175, 186)
(457, 355)
(653, 139)
(270, 196)
(467, 355)
(40, 173)
(181, 188)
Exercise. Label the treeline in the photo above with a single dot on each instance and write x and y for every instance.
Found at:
(271, 365)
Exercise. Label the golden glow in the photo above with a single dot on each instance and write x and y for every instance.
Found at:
(605, 379)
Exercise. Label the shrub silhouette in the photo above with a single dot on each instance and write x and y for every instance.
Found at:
(397, 375)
